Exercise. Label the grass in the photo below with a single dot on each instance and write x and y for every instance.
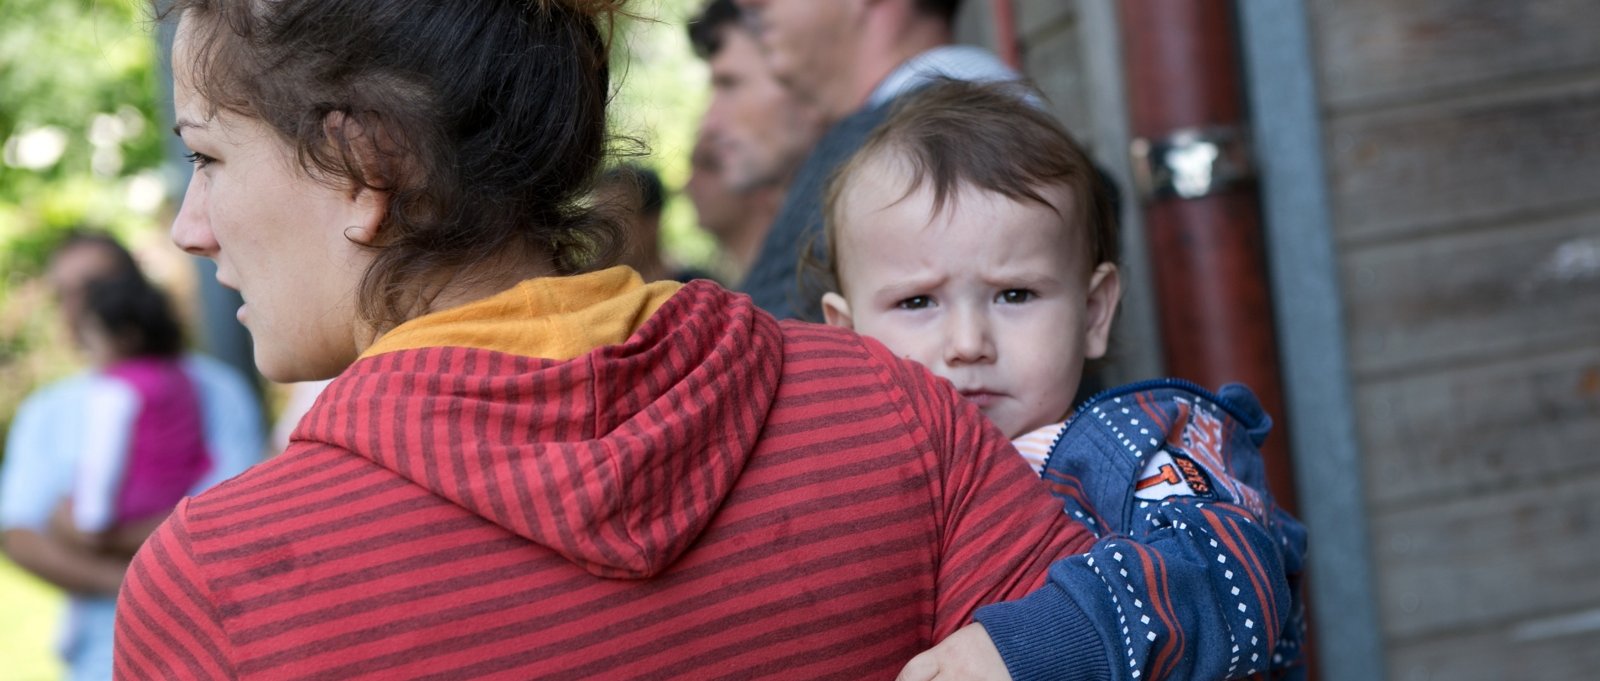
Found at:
(29, 626)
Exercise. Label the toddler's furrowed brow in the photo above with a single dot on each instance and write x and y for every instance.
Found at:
(907, 287)
(1003, 279)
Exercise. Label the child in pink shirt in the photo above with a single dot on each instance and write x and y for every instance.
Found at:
(145, 446)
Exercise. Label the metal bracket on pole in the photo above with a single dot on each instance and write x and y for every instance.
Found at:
(1192, 163)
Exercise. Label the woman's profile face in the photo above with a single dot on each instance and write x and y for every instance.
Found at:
(278, 236)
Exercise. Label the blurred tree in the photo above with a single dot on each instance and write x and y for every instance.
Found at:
(661, 92)
(80, 147)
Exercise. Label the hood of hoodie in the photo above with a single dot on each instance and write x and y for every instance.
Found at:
(617, 458)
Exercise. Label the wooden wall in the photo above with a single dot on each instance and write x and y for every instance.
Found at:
(1463, 148)
(1462, 140)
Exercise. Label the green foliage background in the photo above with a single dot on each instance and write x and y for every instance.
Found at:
(84, 69)
(662, 89)
(64, 64)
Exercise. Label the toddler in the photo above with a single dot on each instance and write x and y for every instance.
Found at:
(991, 260)
(973, 235)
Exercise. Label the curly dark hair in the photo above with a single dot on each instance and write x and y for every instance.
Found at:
(643, 182)
(483, 122)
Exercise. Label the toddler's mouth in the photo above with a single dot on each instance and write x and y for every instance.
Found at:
(981, 396)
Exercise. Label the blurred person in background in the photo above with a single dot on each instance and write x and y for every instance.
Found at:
(754, 134)
(759, 127)
(48, 438)
(850, 59)
(738, 220)
(637, 196)
(145, 446)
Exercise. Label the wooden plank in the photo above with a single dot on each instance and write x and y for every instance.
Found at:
(1056, 66)
(975, 25)
(1382, 50)
(1488, 558)
(1517, 423)
(1276, 49)
(1136, 339)
(1496, 158)
(1496, 655)
(1483, 295)
(1036, 17)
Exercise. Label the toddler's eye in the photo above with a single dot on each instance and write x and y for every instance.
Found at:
(915, 303)
(1014, 296)
(198, 159)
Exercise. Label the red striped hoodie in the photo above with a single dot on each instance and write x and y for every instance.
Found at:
(715, 496)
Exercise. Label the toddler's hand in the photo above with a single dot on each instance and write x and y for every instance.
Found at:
(966, 654)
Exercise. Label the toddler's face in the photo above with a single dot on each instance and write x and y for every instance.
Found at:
(993, 294)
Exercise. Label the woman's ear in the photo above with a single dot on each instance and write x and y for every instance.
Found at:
(836, 311)
(367, 209)
(1100, 308)
(367, 205)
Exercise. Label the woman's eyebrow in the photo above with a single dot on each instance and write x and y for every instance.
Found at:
(178, 129)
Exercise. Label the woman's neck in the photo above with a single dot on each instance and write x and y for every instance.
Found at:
(463, 286)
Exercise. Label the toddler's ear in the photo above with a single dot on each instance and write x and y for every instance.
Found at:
(836, 311)
(1105, 291)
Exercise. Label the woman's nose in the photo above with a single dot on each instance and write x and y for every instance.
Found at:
(191, 229)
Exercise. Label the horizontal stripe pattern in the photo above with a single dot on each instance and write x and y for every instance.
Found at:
(723, 496)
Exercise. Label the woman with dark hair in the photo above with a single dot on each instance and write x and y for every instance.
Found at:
(530, 465)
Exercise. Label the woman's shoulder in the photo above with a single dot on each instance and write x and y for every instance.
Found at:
(846, 360)
(808, 337)
(840, 351)
(272, 490)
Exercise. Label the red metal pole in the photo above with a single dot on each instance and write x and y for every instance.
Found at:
(1005, 33)
(1206, 251)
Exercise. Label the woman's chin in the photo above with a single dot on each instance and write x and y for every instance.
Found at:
(281, 369)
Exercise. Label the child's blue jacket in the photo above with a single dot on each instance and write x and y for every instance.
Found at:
(1202, 568)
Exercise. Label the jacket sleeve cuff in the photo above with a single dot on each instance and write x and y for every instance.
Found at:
(1045, 635)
